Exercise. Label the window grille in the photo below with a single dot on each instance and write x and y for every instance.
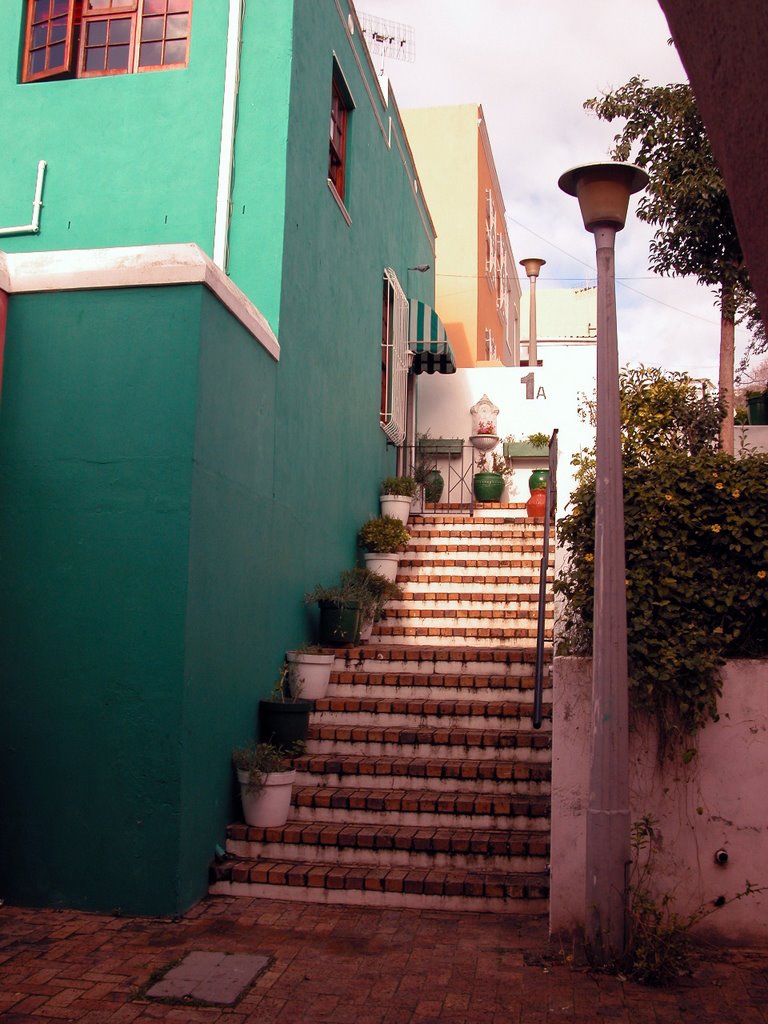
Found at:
(394, 358)
(490, 237)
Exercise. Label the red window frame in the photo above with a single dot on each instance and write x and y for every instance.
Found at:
(151, 35)
(50, 31)
(337, 152)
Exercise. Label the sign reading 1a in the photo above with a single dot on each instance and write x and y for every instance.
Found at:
(530, 388)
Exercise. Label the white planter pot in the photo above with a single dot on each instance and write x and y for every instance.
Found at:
(396, 505)
(309, 674)
(366, 630)
(385, 563)
(269, 807)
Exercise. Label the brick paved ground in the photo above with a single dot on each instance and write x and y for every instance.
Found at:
(346, 966)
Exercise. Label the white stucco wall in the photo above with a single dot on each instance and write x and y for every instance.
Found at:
(567, 370)
(719, 801)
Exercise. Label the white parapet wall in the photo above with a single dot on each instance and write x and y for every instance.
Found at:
(530, 400)
(716, 802)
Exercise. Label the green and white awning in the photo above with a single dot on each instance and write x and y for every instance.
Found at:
(428, 341)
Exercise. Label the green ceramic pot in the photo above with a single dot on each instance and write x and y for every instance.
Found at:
(488, 486)
(433, 487)
(537, 481)
(339, 624)
(757, 409)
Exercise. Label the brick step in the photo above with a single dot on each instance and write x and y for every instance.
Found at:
(462, 520)
(437, 686)
(472, 563)
(437, 657)
(466, 611)
(440, 742)
(372, 885)
(484, 531)
(426, 588)
(476, 709)
(474, 547)
(470, 601)
(395, 845)
(390, 772)
(419, 808)
(409, 713)
(417, 633)
(461, 579)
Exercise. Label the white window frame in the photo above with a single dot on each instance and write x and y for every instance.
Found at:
(502, 280)
(490, 239)
(395, 359)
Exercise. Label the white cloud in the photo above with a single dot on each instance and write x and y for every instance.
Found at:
(531, 65)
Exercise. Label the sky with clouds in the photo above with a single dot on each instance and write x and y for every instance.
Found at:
(531, 65)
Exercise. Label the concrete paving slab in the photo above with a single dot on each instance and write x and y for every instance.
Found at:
(217, 978)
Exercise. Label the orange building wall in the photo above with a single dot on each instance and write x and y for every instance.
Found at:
(455, 165)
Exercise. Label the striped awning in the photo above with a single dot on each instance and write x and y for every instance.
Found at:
(428, 341)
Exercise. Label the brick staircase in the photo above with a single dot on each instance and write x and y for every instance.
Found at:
(424, 783)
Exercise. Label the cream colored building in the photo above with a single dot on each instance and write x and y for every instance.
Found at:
(477, 289)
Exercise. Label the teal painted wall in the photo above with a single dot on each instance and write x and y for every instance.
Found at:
(234, 570)
(132, 159)
(169, 492)
(96, 438)
(328, 386)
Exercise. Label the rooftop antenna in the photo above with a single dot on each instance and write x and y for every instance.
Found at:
(387, 39)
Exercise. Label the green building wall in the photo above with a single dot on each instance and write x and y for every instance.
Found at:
(169, 491)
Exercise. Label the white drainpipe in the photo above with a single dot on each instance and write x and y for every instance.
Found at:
(228, 125)
(37, 203)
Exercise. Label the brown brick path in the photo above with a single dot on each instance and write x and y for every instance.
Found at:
(347, 965)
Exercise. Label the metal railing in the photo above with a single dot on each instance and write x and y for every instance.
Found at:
(549, 516)
(455, 462)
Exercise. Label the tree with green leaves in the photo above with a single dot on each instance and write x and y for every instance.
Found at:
(687, 201)
(696, 552)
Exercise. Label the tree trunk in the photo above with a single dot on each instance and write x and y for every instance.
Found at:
(725, 383)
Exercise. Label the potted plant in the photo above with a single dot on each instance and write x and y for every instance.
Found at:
(488, 482)
(425, 472)
(397, 492)
(266, 777)
(383, 538)
(374, 591)
(339, 614)
(309, 671)
(427, 445)
(534, 446)
(757, 407)
(283, 718)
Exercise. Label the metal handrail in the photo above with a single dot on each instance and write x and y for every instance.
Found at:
(549, 516)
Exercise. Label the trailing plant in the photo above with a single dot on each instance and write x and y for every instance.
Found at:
(498, 463)
(281, 691)
(372, 590)
(403, 486)
(262, 759)
(696, 561)
(660, 947)
(339, 594)
(384, 534)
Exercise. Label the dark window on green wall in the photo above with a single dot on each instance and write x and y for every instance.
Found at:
(86, 38)
(341, 111)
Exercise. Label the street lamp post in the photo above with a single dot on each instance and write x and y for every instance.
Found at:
(532, 266)
(603, 191)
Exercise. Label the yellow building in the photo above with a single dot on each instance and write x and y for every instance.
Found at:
(476, 285)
